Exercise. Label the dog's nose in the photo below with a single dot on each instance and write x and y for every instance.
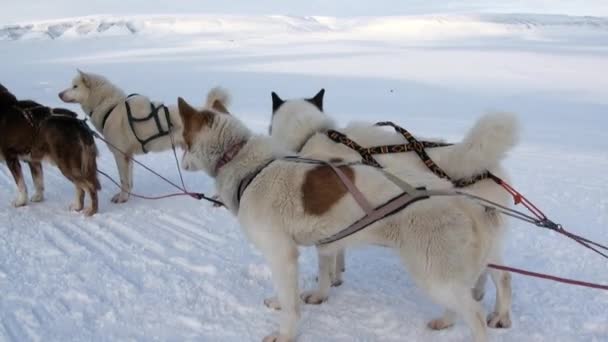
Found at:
(61, 96)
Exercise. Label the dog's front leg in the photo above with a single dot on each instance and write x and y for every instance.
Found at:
(327, 262)
(38, 177)
(125, 170)
(284, 266)
(15, 167)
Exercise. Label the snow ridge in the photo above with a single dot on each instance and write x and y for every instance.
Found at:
(208, 24)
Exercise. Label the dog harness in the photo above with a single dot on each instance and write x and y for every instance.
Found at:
(409, 195)
(154, 115)
(412, 145)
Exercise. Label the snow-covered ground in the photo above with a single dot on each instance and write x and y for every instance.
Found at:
(178, 269)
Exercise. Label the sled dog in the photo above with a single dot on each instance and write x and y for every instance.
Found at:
(445, 243)
(32, 132)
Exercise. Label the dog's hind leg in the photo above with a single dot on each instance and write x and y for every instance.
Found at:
(38, 178)
(340, 267)
(125, 170)
(501, 317)
(78, 199)
(479, 290)
(92, 210)
(458, 301)
(326, 263)
(15, 167)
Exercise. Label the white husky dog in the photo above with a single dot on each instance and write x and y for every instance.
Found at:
(444, 242)
(301, 125)
(106, 104)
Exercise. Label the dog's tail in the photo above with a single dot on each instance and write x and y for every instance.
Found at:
(484, 146)
(88, 165)
(218, 98)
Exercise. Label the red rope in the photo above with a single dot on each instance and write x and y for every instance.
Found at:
(550, 277)
(518, 198)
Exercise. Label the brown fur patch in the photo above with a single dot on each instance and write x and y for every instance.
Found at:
(322, 188)
(195, 123)
(193, 120)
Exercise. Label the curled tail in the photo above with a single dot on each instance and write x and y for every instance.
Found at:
(484, 146)
(218, 99)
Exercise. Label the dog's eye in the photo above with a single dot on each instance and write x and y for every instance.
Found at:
(74, 86)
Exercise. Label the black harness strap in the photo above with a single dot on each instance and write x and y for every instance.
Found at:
(412, 145)
(344, 140)
(153, 115)
(419, 148)
(106, 116)
(246, 181)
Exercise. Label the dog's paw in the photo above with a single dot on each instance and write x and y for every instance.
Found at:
(496, 320)
(313, 297)
(20, 201)
(276, 337)
(272, 303)
(76, 207)
(89, 211)
(439, 324)
(336, 282)
(38, 197)
(120, 197)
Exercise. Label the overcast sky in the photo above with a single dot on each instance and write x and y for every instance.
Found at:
(24, 10)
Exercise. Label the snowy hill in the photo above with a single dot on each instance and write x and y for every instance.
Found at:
(413, 26)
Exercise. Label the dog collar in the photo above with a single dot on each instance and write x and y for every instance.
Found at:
(229, 155)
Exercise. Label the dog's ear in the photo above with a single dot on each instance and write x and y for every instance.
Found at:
(185, 110)
(317, 100)
(219, 106)
(85, 78)
(276, 102)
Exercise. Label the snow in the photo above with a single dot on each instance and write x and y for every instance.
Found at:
(179, 269)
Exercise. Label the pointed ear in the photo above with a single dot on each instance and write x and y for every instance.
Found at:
(276, 102)
(185, 111)
(317, 100)
(219, 106)
(85, 78)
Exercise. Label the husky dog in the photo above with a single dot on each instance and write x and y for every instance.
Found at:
(445, 242)
(107, 105)
(301, 125)
(32, 132)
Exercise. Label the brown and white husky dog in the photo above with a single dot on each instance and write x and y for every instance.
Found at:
(445, 243)
(32, 132)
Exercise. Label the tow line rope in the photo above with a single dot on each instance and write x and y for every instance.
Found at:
(183, 190)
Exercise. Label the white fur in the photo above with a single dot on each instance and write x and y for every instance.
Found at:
(218, 94)
(97, 95)
(444, 242)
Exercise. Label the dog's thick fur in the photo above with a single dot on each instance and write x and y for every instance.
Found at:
(300, 124)
(96, 95)
(444, 242)
(32, 132)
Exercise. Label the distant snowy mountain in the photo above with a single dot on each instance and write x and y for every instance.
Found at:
(262, 25)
